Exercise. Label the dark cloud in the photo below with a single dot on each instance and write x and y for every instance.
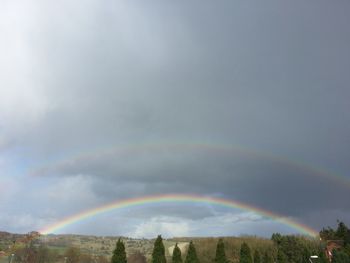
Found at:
(268, 76)
(283, 186)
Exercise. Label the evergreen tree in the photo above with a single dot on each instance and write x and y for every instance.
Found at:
(191, 256)
(245, 255)
(220, 256)
(327, 234)
(119, 254)
(177, 255)
(277, 238)
(281, 257)
(257, 258)
(267, 258)
(158, 254)
(343, 233)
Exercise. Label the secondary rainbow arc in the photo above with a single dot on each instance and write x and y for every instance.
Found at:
(173, 198)
(342, 180)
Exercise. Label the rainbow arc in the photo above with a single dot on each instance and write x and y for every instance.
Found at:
(177, 198)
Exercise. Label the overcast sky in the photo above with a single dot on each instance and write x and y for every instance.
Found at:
(107, 100)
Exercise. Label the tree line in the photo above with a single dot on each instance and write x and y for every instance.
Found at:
(158, 254)
(246, 249)
(285, 249)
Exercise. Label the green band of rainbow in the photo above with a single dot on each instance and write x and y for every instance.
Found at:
(177, 198)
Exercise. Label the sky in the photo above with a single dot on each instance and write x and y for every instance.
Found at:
(103, 101)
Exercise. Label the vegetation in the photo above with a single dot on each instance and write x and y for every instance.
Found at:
(220, 256)
(43, 254)
(191, 256)
(339, 256)
(245, 254)
(341, 236)
(341, 233)
(322, 257)
(176, 255)
(281, 257)
(295, 248)
(206, 247)
(245, 249)
(158, 254)
(267, 258)
(256, 258)
(119, 254)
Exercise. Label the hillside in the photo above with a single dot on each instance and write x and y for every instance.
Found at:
(104, 245)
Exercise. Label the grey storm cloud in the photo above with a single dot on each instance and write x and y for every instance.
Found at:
(279, 185)
(81, 81)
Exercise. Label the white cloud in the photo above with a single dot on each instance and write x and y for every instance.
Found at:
(219, 225)
(164, 225)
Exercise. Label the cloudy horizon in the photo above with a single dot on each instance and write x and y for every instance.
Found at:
(243, 100)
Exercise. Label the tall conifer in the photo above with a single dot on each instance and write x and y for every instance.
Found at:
(191, 256)
(119, 254)
(158, 254)
(245, 254)
(176, 255)
(220, 256)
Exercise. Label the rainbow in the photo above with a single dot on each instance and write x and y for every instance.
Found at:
(177, 198)
(320, 172)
